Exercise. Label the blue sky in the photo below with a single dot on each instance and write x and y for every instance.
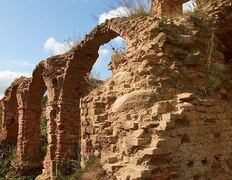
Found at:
(32, 30)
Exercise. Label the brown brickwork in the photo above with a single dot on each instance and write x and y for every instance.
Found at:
(10, 113)
(164, 114)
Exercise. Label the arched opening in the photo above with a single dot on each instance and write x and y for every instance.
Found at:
(101, 69)
(74, 86)
(29, 156)
(94, 114)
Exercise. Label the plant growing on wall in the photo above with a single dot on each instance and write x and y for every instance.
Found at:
(131, 8)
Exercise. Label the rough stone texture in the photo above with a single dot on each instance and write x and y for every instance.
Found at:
(46, 76)
(220, 13)
(172, 119)
(57, 75)
(167, 8)
(164, 114)
(10, 113)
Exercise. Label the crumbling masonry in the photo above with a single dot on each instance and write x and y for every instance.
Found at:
(164, 114)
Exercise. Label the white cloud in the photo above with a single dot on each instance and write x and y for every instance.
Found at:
(118, 12)
(7, 77)
(55, 47)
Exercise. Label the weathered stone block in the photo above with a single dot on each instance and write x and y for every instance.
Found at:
(129, 125)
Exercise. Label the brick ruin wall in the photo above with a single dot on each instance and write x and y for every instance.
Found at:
(159, 116)
(162, 114)
(9, 132)
(181, 138)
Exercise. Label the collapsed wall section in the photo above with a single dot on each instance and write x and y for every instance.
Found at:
(165, 112)
(183, 138)
(164, 95)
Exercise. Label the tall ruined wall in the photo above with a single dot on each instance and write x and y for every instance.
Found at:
(165, 112)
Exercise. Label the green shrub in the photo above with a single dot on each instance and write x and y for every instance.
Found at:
(43, 128)
(44, 102)
(6, 170)
(43, 136)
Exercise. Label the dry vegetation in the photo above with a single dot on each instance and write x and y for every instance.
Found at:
(200, 3)
(132, 8)
(73, 41)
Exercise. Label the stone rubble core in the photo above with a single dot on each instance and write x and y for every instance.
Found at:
(164, 114)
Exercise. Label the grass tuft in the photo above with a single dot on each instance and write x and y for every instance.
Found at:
(131, 8)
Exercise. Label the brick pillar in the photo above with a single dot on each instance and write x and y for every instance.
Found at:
(28, 155)
(10, 118)
(49, 164)
(68, 134)
(63, 138)
(28, 146)
(63, 131)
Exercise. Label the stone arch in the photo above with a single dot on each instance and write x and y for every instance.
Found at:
(10, 113)
(86, 54)
(29, 97)
(47, 76)
(73, 88)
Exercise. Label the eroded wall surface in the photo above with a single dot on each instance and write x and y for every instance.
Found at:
(164, 113)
